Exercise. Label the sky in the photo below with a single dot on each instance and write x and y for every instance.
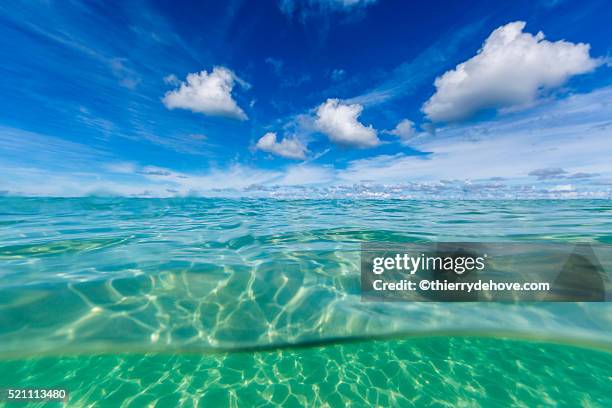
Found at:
(306, 98)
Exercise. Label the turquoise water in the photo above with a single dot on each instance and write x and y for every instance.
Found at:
(179, 301)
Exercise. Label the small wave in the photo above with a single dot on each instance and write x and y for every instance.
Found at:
(96, 274)
(58, 247)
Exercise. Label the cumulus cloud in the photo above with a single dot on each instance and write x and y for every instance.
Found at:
(559, 140)
(207, 93)
(340, 123)
(289, 148)
(509, 71)
(404, 130)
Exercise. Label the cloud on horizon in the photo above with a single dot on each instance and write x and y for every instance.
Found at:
(100, 120)
(567, 140)
(559, 173)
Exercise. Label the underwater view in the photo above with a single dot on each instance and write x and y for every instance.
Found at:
(256, 302)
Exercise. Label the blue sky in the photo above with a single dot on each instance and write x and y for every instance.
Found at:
(306, 97)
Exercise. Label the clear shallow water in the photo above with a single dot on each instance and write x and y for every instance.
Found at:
(424, 372)
(101, 275)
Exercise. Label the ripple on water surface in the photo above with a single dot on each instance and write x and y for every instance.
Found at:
(149, 275)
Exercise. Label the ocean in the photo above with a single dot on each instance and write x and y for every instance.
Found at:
(256, 302)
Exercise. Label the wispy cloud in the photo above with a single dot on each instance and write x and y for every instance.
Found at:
(409, 76)
(83, 83)
(337, 74)
(562, 135)
(306, 8)
(525, 154)
(18, 147)
(90, 104)
(276, 64)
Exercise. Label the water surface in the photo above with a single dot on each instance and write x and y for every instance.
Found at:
(190, 288)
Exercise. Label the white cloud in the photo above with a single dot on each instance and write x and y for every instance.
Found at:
(509, 71)
(407, 78)
(340, 123)
(210, 94)
(404, 130)
(566, 142)
(568, 137)
(289, 148)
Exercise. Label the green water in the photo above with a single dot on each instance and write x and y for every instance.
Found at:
(180, 302)
(453, 372)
